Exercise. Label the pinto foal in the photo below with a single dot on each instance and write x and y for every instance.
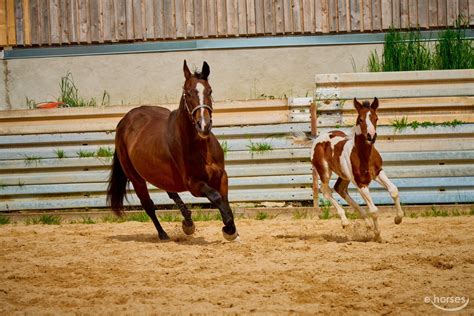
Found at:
(354, 159)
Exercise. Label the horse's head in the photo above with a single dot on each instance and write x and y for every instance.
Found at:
(367, 119)
(197, 99)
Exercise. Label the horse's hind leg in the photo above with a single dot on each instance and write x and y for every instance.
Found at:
(393, 190)
(142, 192)
(341, 188)
(188, 225)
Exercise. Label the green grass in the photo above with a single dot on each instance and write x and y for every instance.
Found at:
(20, 183)
(60, 153)
(206, 216)
(85, 153)
(104, 152)
(300, 214)
(138, 217)
(69, 94)
(259, 147)
(29, 160)
(261, 216)
(113, 219)
(2, 185)
(435, 212)
(30, 103)
(325, 207)
(4, 220)
(401, 124)
(46, 219)
(169, 217)
(407, 51)
(453, 50)
(87, 220)
(225, 147)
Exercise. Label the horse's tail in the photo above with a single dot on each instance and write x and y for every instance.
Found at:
(301, 139)
(117, 189)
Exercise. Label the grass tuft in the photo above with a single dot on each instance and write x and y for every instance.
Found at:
(60, 153)
(206, 216)
(46, 219)
(261, 216)
(138, 217)
(69, 94)
(4, 220)
(259, 147)
(87, 220)
(85, 153)
(29, 160)
(325, 206)
(168, 217)
(104, 152)
(300, 214)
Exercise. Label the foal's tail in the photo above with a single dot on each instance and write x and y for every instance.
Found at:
(117, 189)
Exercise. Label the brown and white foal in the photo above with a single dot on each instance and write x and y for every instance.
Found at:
(354, 159)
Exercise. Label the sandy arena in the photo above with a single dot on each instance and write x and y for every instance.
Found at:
(281, 265)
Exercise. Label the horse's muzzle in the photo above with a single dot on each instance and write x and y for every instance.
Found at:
(205, 130)
(371, 139)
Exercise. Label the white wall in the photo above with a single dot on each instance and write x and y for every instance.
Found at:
(236, 74)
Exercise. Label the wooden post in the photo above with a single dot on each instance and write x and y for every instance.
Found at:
(314, 129)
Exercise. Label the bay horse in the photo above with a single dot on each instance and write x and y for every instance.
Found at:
(355, 160)
(175, 151)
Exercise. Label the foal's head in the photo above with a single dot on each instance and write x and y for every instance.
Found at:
(367, 119)
(197, 98)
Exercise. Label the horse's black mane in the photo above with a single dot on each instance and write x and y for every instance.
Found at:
(366, 104)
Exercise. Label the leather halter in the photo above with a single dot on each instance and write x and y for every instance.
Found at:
(200, 106)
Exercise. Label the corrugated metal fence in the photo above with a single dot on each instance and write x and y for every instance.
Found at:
(429, 164)
(53, 22)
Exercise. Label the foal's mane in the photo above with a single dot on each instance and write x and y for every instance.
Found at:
(366, 104)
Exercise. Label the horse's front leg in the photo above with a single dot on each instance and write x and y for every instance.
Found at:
(188, 224)
(393, 190)
(220, 200)
(365, 193)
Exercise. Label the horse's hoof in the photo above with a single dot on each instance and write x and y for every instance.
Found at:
(230, 237)
(398, 219)
(188, 229)
(164, 237)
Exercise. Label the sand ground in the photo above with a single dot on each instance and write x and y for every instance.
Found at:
(281, 265)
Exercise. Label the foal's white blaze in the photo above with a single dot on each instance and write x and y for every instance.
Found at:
(200, 90)
(370, 126)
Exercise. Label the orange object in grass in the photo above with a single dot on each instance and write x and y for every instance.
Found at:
(49, 105)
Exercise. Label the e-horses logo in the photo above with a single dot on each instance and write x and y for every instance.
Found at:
(443, 300)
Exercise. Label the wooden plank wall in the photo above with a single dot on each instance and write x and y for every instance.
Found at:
(56, 22)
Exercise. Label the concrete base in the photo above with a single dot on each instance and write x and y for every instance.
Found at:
(157, 78)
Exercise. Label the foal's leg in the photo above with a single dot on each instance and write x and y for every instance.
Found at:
(142, 192)
(341, 188)
(188, 225)
(393, 190)
(365, 193)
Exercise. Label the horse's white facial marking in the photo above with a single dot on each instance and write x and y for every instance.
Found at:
(370, 126)
(200, 90)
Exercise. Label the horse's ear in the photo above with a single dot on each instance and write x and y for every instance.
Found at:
(375, 104)
(205, 71)
(187, 73)
(357, 105)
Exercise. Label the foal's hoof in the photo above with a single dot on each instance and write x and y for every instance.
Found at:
(188, 228)
(398, 219)
(230, 236)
